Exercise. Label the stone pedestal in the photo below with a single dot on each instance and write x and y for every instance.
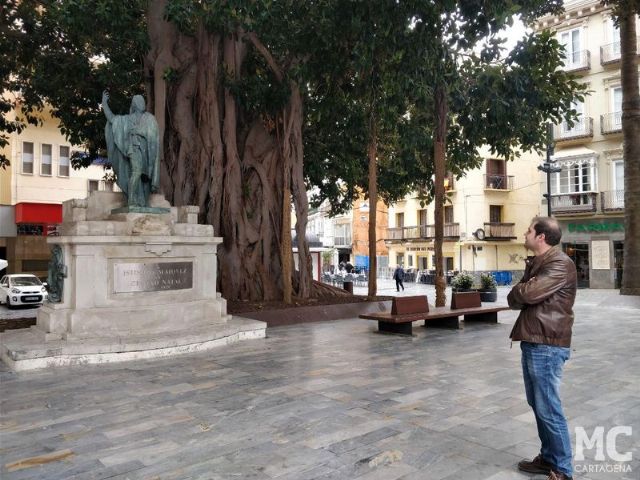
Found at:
(135, 282)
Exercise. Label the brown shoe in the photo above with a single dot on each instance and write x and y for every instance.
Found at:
(558, 476)
(537, 465)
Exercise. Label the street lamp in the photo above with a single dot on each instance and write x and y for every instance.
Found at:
(548, 166)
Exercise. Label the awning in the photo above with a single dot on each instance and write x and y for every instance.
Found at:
(568, 153)
(41, 213)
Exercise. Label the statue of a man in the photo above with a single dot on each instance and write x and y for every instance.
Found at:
(133, 149)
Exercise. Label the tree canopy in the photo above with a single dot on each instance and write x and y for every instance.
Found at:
(259, 101)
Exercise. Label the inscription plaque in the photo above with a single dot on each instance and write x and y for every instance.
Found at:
(152, 277)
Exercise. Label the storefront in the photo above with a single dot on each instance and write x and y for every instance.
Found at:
(596, 246)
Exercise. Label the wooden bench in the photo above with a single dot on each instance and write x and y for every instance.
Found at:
(406, 310)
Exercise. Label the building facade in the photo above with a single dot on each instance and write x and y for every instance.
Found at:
(485, 216)
(32, 189)
(587, 194)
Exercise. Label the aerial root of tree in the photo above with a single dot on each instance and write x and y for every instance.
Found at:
(229, 162)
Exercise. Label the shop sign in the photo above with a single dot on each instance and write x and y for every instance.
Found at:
(595, 227)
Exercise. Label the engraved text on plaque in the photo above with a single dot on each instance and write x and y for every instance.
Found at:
(152, 277)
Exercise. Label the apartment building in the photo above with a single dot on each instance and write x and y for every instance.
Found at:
(485, 216)
(32, 190)
(587, 194)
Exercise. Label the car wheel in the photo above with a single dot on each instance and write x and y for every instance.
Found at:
(9, 303)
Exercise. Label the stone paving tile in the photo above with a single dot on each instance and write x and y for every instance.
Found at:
(329, 400)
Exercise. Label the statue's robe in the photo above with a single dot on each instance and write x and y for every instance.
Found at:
(118, 134)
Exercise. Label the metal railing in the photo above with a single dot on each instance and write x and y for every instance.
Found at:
(498, 181)
(574, 202)
(576, 61)
(499, 231)
(612, 200)
(610, 53)
(611, 123)
(581, 129)
(417, 232)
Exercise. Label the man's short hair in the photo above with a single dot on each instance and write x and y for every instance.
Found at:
(549, 226)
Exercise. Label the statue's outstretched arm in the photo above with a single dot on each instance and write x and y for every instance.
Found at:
(105, 106)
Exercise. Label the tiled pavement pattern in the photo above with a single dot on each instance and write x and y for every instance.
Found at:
(330, 400)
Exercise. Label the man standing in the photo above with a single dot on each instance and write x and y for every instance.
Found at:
(398, 276)
(545, 298)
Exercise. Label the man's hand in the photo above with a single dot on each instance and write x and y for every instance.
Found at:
(105, 97)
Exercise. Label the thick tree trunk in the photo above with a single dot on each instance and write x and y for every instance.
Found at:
(228, 163)
(372, 152)
(631, 134)
(439, 151)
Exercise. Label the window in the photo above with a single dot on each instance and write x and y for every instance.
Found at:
(448, 214)
(30, 229)
(422, 217)
(496, 174)
(576, 177)
(495, 213)
(94, 185)
(571, 42)
(580, 125)
(45, 161)
(27, 157)
(410, 260)
(400, 220)
(63, 166)
(616, 106)
(399, 258)
(618, 175)
(614, 32)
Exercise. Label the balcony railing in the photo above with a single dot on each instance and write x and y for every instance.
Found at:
(499, 231)
(422, 232)
(498, 182)
(576, 61)
(342, 241)
(611, 123)
(583, 128)
(574, 203)
(612, 200)
(610, 53)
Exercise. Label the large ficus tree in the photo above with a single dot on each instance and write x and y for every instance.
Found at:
(226, 82)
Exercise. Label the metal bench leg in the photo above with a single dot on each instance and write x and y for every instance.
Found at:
(491, 317)
(449, 322)
(399, 328)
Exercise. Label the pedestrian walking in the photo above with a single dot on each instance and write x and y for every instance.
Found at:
(545, 298)
(398, 276)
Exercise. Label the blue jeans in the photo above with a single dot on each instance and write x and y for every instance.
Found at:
(542, 371)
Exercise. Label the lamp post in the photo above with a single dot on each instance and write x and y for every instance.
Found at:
(548, 166)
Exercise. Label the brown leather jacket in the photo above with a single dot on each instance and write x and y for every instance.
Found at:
(545, 297)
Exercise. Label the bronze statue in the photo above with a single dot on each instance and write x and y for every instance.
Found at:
(133, 149)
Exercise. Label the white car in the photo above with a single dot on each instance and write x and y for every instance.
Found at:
(22, 289)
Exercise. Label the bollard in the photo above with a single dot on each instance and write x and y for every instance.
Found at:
(348, 286)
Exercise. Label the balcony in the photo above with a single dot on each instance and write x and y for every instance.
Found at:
(583, 128)
(571, 203)
(610, 53)
(499, 231)
(498, 182)
(341, 241)
(612, 201)
(577, 61)
(422, 232)
(611, 123)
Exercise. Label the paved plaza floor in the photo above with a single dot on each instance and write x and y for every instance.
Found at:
(328, 400)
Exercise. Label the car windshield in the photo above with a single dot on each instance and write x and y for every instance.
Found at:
(25, 281)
